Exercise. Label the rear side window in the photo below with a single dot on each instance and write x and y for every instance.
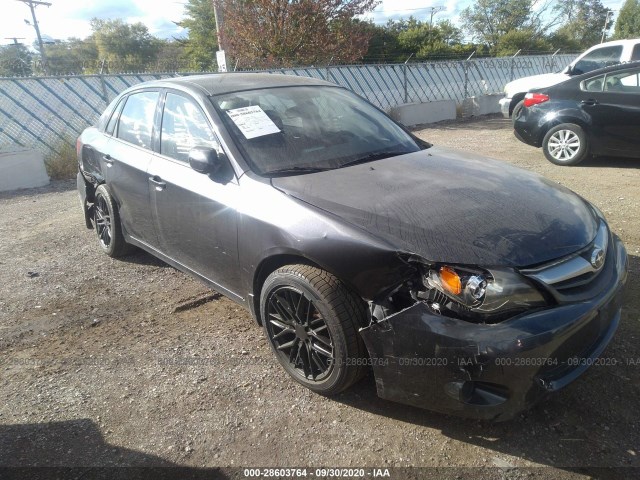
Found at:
(599, 58)
(635, 55)
(593, 84)
(136, 120)
(623, 82)
(184, 127)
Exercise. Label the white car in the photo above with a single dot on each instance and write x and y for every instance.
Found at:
(598, 56)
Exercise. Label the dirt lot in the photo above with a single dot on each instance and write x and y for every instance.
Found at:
(98, 368)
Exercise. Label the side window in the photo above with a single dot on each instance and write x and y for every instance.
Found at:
(599, 58)
(184, 126)
(111, 126)
(635, 55)
(136, 120)
(623, 82)
(593, 84)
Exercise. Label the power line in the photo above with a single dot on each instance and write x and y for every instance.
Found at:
(15, 40)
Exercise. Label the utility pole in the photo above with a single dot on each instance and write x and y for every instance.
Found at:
(606, 24)
(32, 5)
(433, 11)
(221, 58)
(215, 14)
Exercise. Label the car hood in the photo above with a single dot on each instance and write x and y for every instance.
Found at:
(527, 84)
(453, 207)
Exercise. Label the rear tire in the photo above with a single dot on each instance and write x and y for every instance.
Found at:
(516, 111)
(565, 144)
(311, 321)
(107, 223)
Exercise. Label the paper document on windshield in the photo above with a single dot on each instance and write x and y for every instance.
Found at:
(252, 122)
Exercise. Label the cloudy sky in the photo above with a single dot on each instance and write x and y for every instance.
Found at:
(66, 18)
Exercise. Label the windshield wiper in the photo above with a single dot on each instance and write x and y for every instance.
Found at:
(374, 156)
(298, 169)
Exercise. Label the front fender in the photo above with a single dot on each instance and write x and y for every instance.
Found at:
(280, 224)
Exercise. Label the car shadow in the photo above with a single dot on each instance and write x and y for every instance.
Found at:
(142, 257)
(610, 162)
(591, 427)
(484, 122)
(76, 448)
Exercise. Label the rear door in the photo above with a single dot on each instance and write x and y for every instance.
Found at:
(125, 164)
(614, 109)
(195, 215)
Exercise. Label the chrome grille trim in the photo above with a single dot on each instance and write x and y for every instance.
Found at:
(574, 266)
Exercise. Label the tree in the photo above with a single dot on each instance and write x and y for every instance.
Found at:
(15, 61)
(399, 39)
(262, 33)
(383, 45)
(130, 46)
(202, 42)
(449, 33)
(582, 22)
(173, 58)
(488, 20)
(628, 23)
(72, 56)
(526, 40)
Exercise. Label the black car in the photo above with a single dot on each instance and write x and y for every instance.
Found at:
(466, 285)
(597, 113)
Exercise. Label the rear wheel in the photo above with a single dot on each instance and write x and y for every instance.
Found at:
(516, 111)
(565, 144)
(311, 321)
(107, 223)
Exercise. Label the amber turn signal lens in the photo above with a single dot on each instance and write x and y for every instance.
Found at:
(450, 280)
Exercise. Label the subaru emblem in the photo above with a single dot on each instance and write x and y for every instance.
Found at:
(597, 258)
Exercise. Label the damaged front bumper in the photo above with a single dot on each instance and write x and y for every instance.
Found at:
(491, 371)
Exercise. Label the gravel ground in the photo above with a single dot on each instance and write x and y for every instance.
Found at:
(130, 362)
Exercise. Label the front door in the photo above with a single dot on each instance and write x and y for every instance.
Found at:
(195, 216)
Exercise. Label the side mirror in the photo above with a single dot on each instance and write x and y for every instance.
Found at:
(568, 70)
(204, 160)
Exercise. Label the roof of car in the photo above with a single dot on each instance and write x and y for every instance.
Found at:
(626, 41)
(219, 83)
(612, 68)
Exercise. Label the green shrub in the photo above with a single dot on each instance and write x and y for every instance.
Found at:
(63, 164)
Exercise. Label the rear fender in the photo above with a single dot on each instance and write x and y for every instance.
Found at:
(574, 116)
(86, 193)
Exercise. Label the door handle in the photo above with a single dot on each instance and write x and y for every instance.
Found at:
(107, 159)
(589, 102)
(157, 181)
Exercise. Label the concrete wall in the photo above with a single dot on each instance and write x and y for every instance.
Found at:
(481, 105)
(411, 114)
(21, 168)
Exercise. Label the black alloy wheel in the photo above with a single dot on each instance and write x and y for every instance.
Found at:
(103, 222)
(299, 333)
(106, 220)
(311, 321)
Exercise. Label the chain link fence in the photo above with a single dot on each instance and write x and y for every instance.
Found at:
(47, 112)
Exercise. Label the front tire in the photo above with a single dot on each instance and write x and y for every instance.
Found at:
(107, 223)
(565, 144)
(311, 321)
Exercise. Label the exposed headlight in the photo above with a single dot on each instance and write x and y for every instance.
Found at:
(484, 291)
